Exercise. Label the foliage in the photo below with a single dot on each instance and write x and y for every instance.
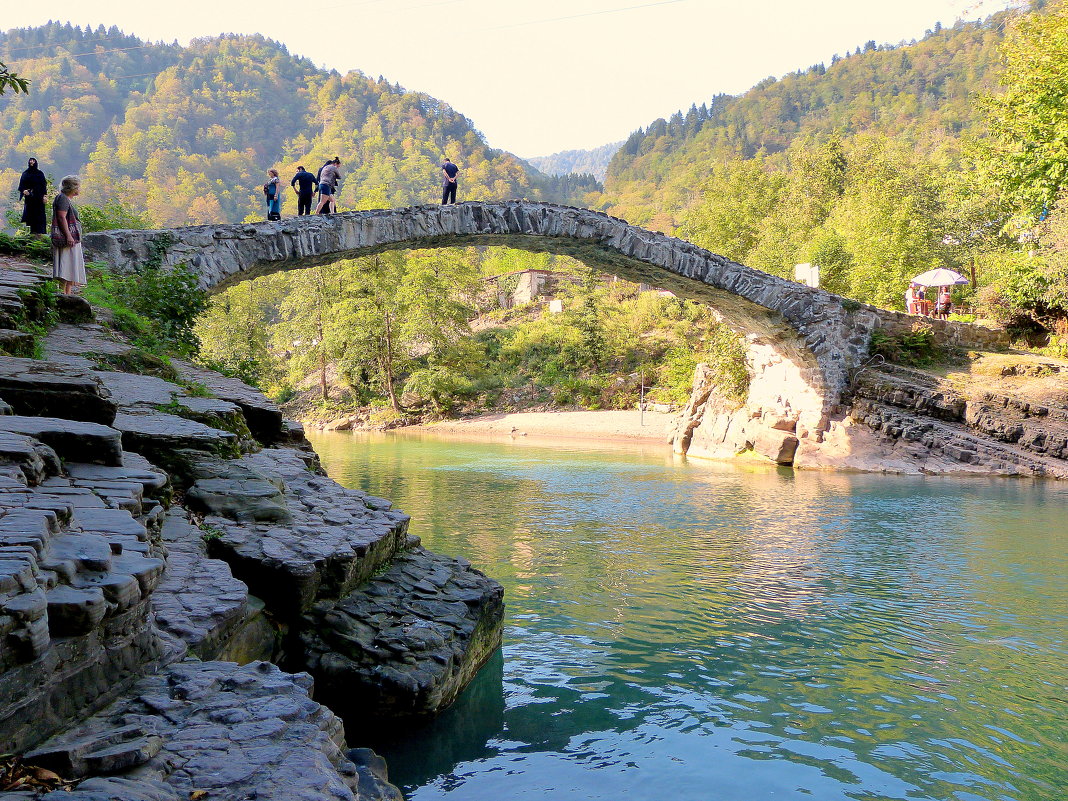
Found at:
(12, 80)
(190, 131)
(437, 385)
(915, 348)
(23, 244)
(1028, 158)
(921, 94)
(110, 216)
(157, 307)
(725, 356)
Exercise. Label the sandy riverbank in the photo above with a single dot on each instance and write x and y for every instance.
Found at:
(606, 425)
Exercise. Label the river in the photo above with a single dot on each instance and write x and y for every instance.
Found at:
(686, 630)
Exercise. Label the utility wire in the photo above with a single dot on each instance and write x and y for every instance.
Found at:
(93, 53)
(54, 44)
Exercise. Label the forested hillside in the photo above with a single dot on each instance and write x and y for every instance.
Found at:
(592, 162)
(185, 135)
(922, 95)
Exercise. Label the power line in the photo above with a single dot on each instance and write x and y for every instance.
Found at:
(55, 44)
(94, 52)
(587, 14)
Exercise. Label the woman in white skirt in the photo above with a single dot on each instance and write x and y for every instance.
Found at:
(68, 263)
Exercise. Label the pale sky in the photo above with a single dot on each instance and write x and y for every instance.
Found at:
(538, 77)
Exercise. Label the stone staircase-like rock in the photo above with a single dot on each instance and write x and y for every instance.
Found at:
(1002, 435)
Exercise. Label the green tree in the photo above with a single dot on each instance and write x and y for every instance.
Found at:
(1028, 159)
(233, 333)
(305, 315)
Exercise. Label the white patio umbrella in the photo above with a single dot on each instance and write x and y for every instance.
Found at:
(939, 277)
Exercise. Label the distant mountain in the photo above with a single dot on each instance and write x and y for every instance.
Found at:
(185, 134)
(922, 94)
(593, 162)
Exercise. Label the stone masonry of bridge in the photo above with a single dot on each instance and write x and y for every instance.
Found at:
(803, 342)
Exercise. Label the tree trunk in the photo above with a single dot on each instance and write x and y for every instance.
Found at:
(387, 364)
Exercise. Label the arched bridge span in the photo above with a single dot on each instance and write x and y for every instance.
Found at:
(818, 335)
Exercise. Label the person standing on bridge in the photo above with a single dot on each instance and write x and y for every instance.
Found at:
(329, 178)
(448, 183)
(305, 190)
(272, 191)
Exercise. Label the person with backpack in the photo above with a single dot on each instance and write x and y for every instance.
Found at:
(272, 191)
(329, 178)
(305, 191)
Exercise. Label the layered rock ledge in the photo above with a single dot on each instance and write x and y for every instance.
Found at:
(151, 520)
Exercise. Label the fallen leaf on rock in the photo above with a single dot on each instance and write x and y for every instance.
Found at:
(44, 775)
(14, 776)
(196, 795)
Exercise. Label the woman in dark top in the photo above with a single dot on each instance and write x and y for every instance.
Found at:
(33, 186)
(68, 262)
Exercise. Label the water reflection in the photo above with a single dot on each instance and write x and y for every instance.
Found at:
(690, 630)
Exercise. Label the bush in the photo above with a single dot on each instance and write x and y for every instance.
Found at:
(725, 356)
(110, 216)
(438, 386)
(23, 244)
(156, 307)
(915, 348)
(675, 376)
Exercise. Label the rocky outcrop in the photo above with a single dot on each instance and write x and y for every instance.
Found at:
(907, 421)
(407, 642)
(897, 420)
(79, 561)
(214, 727)
(54, 390)
(107, 584)
(200, 603)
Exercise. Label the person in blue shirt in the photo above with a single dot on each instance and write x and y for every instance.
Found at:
(305, 190)
(273, 192)
(448, 183)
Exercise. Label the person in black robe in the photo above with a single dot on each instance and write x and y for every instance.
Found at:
(33, 186)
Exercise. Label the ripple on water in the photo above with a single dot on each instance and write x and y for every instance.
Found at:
(686, 631)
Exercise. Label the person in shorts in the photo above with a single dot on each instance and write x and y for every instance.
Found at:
(329, 178)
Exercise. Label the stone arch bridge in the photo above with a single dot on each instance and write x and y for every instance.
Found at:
(803, 342)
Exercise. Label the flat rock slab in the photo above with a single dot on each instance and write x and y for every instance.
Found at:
(73, 440)
(229, 732)
(130, 389)
(162, 437)
(335, 539)
(408, 642)
(263, 416)
(41, 388)
(134, 469)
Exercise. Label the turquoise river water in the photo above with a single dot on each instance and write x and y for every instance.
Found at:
(682, 630)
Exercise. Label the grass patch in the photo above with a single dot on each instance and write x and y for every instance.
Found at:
(136, 360)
